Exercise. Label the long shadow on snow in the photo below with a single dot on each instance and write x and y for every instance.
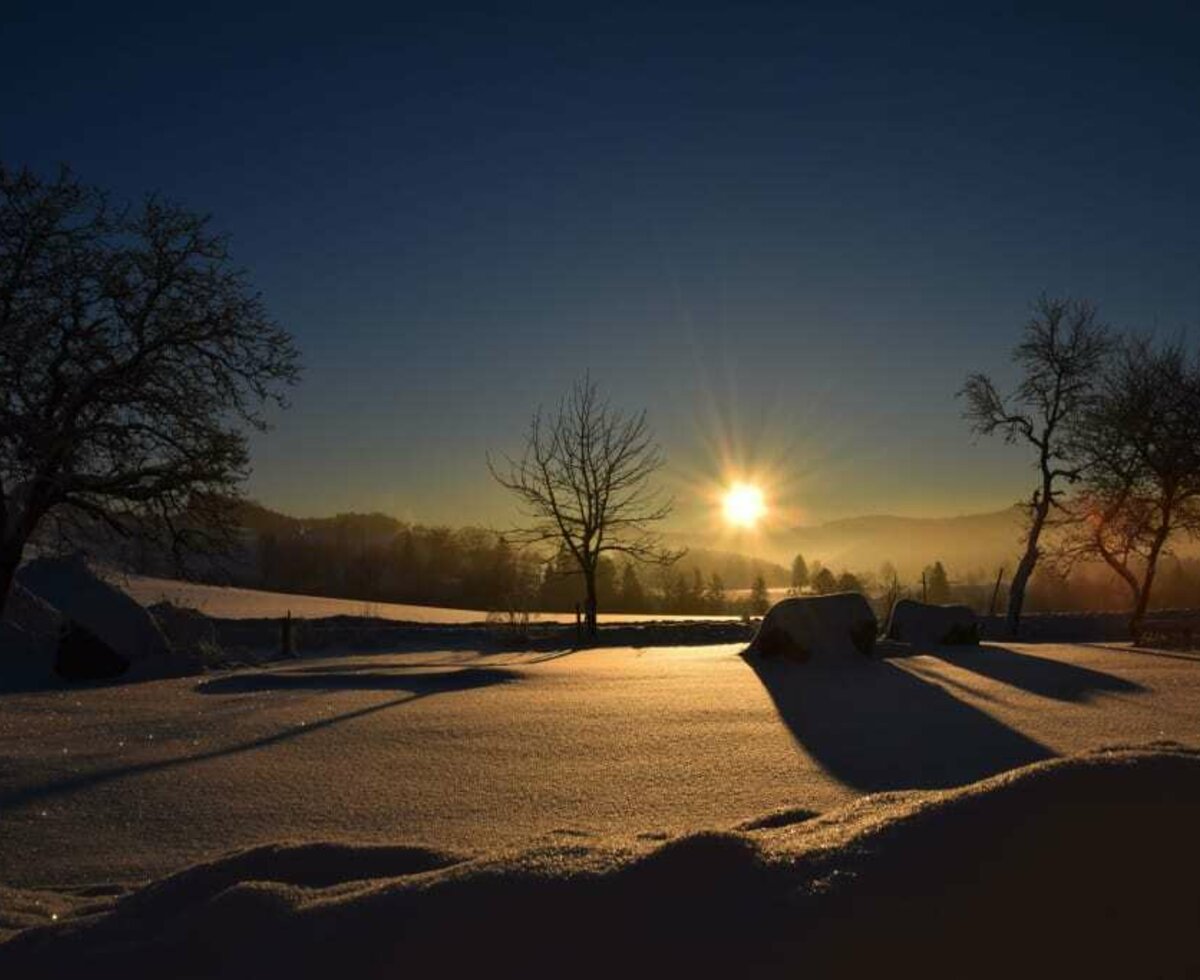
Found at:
(351, 679)
(1037, 675)
(874, 726)
(416, 686)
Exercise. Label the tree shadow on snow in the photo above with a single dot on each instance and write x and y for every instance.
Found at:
(356, 678)
(413, 686)
(874, 726)
(1044, 676)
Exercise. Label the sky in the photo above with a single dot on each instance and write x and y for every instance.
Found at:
(787, 231)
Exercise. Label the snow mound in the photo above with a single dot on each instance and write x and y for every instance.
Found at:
(1084, 866)
(927, 624)
(822, 629)
(107, 614)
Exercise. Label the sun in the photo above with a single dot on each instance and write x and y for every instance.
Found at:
(744, 505)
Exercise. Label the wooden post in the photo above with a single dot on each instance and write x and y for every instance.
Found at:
(287, 640)
(996, 592)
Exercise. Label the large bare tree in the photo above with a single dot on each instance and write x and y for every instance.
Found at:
(1138, 447)
(584, 482)
(133, 356)
(1062, 350)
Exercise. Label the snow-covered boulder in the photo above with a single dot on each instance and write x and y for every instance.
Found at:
(189, 631)
(83, 656)
(818, 629)
(922, 622)
(108, 614)
(29, 634)
(32, 614)
(26, 661)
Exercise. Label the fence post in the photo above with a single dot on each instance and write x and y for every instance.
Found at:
(287, 640)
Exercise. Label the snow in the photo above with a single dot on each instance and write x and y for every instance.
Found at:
(227, 602)
(467, 753)
(1076, 867)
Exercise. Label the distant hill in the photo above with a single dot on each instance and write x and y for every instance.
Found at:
(963, 544)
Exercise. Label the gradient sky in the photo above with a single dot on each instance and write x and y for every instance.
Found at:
(787, 230)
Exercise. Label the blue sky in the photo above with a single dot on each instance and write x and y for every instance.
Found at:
(788, 231)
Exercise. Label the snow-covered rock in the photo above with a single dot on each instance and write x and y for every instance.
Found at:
(189, 631)
(26, 661)
(818, 629)
(111, 616)
(921, 622)
(28, 636)
(937, 625)
(32, 614)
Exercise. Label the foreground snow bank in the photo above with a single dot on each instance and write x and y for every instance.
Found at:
(1085, 865)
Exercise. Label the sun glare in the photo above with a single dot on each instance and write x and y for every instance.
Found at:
(744, 505)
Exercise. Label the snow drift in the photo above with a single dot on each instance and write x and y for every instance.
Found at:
(818, 629)
(1085, 866)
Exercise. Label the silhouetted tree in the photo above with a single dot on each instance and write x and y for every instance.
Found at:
(714, 595)
(562, 582)
(1059, 357)
(799, 574)
(584, 481)
(1137, 445)
(132, 357)
(889, 579)
(848, 582)
(823, 582)
(760, 599)
(937, 583)
(632, 595)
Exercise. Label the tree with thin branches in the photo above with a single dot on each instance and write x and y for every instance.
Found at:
(1138, 450)
(132, 357)
(584, 482)
(1063, 349)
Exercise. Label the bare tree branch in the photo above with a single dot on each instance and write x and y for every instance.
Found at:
(132, 357)
(583, 481)
(1062, 349)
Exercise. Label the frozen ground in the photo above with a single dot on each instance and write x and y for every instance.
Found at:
(234, 603)
(471, 753)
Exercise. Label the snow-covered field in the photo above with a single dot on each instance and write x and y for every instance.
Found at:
(234, 603)
(462, 789)
(454, 750)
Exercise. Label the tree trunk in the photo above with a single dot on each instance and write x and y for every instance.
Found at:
(589, 578)
(10, 558)
(1016, 591)
(1143, 594)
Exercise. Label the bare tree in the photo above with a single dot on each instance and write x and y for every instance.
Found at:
(131, 357)
(584, 482)
(1063, 348)
(1138, 446)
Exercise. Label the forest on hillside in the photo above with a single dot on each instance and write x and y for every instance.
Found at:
(375, 557)
(379, 558)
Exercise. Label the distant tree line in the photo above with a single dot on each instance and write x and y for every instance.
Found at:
(1082, 587)
(377, 558)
